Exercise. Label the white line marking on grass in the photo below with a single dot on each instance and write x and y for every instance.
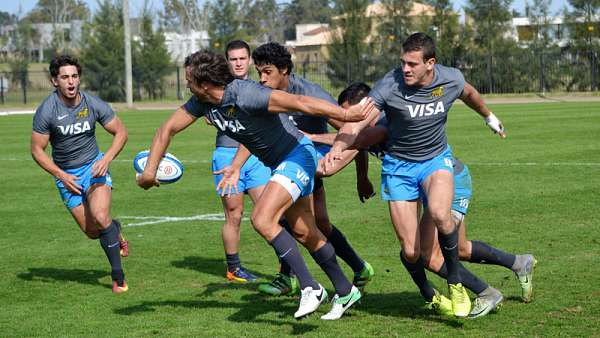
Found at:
(17, 112)
(528, 164)
(146, 220)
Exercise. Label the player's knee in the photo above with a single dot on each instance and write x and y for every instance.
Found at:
(464, 253)
(103, 219)
(410, 254)
(260, 222)
(92, 233)
(233, 219)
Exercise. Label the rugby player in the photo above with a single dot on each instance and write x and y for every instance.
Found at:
(67, 119)
(274, 65)
(488, 298)
(253, 178)
(416, 99)
(249, 113)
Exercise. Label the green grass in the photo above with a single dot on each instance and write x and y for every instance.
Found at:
(536, 191)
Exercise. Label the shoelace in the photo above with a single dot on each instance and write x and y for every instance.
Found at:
(460, 295)
(304, 298)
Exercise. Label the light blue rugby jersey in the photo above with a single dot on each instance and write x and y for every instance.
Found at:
(417, 116)
(72, 130)
(243, 115)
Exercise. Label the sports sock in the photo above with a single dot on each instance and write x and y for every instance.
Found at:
(233, 261)
(482, 252)
(325, 257)
(449, 246)
(284, 268)
(287, 250)
(344, 250)
(417, 273)
(109, 240)
(469, 280)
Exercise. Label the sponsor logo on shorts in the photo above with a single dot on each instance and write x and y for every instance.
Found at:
(303, 177)
(281, 166)
(448, 162)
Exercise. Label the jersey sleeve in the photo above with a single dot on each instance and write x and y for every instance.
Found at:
(252, 97)
(41, 120)
(104, 111)
(458, 83)
(194, 107)
(380, 91)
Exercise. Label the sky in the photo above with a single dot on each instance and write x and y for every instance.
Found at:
(135, 6)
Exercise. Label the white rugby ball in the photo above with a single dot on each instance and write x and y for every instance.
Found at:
(170, 169)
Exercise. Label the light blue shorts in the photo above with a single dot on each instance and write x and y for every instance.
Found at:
(403, 180)
(462, 192)
(322, 149)
(253, 173)
(85, 181)
(296, 173)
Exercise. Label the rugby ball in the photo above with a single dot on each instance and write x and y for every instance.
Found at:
(170, 169)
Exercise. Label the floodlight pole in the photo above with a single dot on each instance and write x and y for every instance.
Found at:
(127, 33)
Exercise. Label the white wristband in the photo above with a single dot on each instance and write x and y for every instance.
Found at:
(494, 124)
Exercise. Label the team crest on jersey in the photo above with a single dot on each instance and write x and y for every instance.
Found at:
(230, 112)
(438, 92)
(82, 114)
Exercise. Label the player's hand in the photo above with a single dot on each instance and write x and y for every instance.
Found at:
(70, 182)
(146, 180)
(359, 112)
(310, 136)
(100, 167)
(495, 125)
(229, 181)
(330, 159)
(364, 187)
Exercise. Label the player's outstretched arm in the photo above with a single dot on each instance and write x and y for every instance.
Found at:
(177, 122)
(283, 102)
(116, 128)
(471, 97)
(231, 173)
(39, 142)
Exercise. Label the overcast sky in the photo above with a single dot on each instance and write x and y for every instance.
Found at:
(136, 5)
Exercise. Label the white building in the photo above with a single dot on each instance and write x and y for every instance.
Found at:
(181, 45)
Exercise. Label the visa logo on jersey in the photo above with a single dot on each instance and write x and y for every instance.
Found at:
(75, 128)
(428, 109)
(234, 125)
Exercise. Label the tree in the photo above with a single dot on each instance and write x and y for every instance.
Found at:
(499, 52)
(184, 16)
(150, 59)
(305, 11)
(348, 52)
(22, 41)
(225, 23)
(394, 27)
(262, 18)
(103, 53)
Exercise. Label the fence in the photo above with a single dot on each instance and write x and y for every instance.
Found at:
(526, 72)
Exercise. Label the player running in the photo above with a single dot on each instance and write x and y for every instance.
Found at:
(274, 65)
(253, 177)
(249, 113)
(67, 119)
(416, 99)
(488, 298)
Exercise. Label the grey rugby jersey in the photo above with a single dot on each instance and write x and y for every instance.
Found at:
(243, 115)
(72, 129)
(308, 123)
(417, 116)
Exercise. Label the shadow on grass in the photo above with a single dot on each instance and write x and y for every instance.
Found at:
(206, 265)
(251, 308)
(48, 275)
(402, 304)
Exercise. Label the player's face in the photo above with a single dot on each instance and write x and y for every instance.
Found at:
(67, 82)
(239, 62)
(196, 89)
(416, 71)
(272, 77)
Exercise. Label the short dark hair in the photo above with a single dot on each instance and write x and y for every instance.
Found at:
(420, 42)
(236, 44)
(63, 60)
(354, 93)
(209, 67)
(272, 53)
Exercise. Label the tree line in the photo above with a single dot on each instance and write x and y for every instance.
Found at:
(363, 47)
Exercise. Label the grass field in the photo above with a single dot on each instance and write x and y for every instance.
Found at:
(537, 191)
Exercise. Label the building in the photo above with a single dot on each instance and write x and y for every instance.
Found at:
(180, 45)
